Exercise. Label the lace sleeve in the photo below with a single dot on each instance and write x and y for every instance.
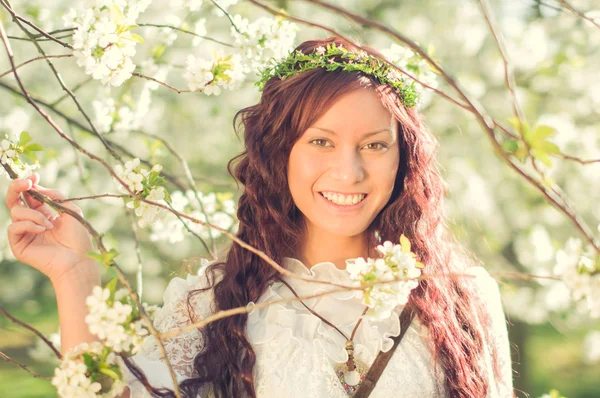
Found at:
(488, 288)
(181, 349)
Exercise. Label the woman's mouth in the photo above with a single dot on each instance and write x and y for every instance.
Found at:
(343, 200)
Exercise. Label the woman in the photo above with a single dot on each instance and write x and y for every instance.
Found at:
(335, 162)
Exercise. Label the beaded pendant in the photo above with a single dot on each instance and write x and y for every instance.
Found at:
(351, 379)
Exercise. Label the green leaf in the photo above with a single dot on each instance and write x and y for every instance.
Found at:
(167, 196)
(111, 272)
(542, 133)
(542, 156)
(549, 147)
(405, 244)
(34, 147)
(88, 360)
(31, 156)
(112, 287)
(136, 37)
(24, 138)
(115, 13)
(104, 258)
(510, 146)
(158, 51)
(110, 373)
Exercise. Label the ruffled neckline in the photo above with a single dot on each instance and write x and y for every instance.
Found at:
(291, 321)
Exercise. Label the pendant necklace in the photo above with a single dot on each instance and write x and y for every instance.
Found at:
(352, 372)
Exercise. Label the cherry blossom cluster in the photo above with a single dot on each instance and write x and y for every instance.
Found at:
(103, 42)
(266, 39)
(145, 183)
(214, 208)
(263, 40)
(114, 319)
(211, 75)
(398, 264)
(88, 371)
(579, 268)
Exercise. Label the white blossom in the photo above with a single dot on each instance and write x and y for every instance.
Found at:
(209, 76)
(263, 40)
(576, 267)
(146, 211)
(132, 178)
(72, 377)
(396, 264)
(103, 43)
(111, 321)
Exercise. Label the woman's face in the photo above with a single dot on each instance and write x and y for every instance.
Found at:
(341, 171)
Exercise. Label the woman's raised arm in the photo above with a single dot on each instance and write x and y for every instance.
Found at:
(56, 245)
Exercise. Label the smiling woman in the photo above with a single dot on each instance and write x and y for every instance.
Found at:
(336, 160)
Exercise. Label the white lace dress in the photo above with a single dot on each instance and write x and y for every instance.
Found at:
(296, 352)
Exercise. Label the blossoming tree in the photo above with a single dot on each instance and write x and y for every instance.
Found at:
(99, 89)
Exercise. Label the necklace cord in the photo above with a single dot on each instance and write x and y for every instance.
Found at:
(323, 319)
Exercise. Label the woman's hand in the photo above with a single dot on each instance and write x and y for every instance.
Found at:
(53, 244)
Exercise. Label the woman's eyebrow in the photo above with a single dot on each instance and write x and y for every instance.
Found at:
(364, 135)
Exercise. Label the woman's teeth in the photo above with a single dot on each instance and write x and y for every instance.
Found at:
(346, 200)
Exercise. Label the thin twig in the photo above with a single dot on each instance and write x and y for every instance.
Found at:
(178, 91)
(8, 359)
(251, 306)
(8, 72)
(228, 15)
(580, 14)
(28, 39)
(32, 329)
(103, 195)
(186, 31)
(578, 160)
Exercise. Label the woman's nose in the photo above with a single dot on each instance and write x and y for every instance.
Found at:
(348, 167)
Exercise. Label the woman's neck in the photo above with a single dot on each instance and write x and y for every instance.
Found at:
(319, 246)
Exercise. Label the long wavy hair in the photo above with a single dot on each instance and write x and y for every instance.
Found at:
(448, 306)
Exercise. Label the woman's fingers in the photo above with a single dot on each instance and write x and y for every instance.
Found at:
(14, 190)
(22, 213)
(18, 229)
(23, 185)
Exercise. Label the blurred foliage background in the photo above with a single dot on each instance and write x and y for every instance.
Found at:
(507, 224)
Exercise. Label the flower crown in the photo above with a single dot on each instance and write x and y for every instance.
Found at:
(333, 57)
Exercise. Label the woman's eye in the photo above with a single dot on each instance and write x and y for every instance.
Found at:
(319, 142)
(376, 145)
